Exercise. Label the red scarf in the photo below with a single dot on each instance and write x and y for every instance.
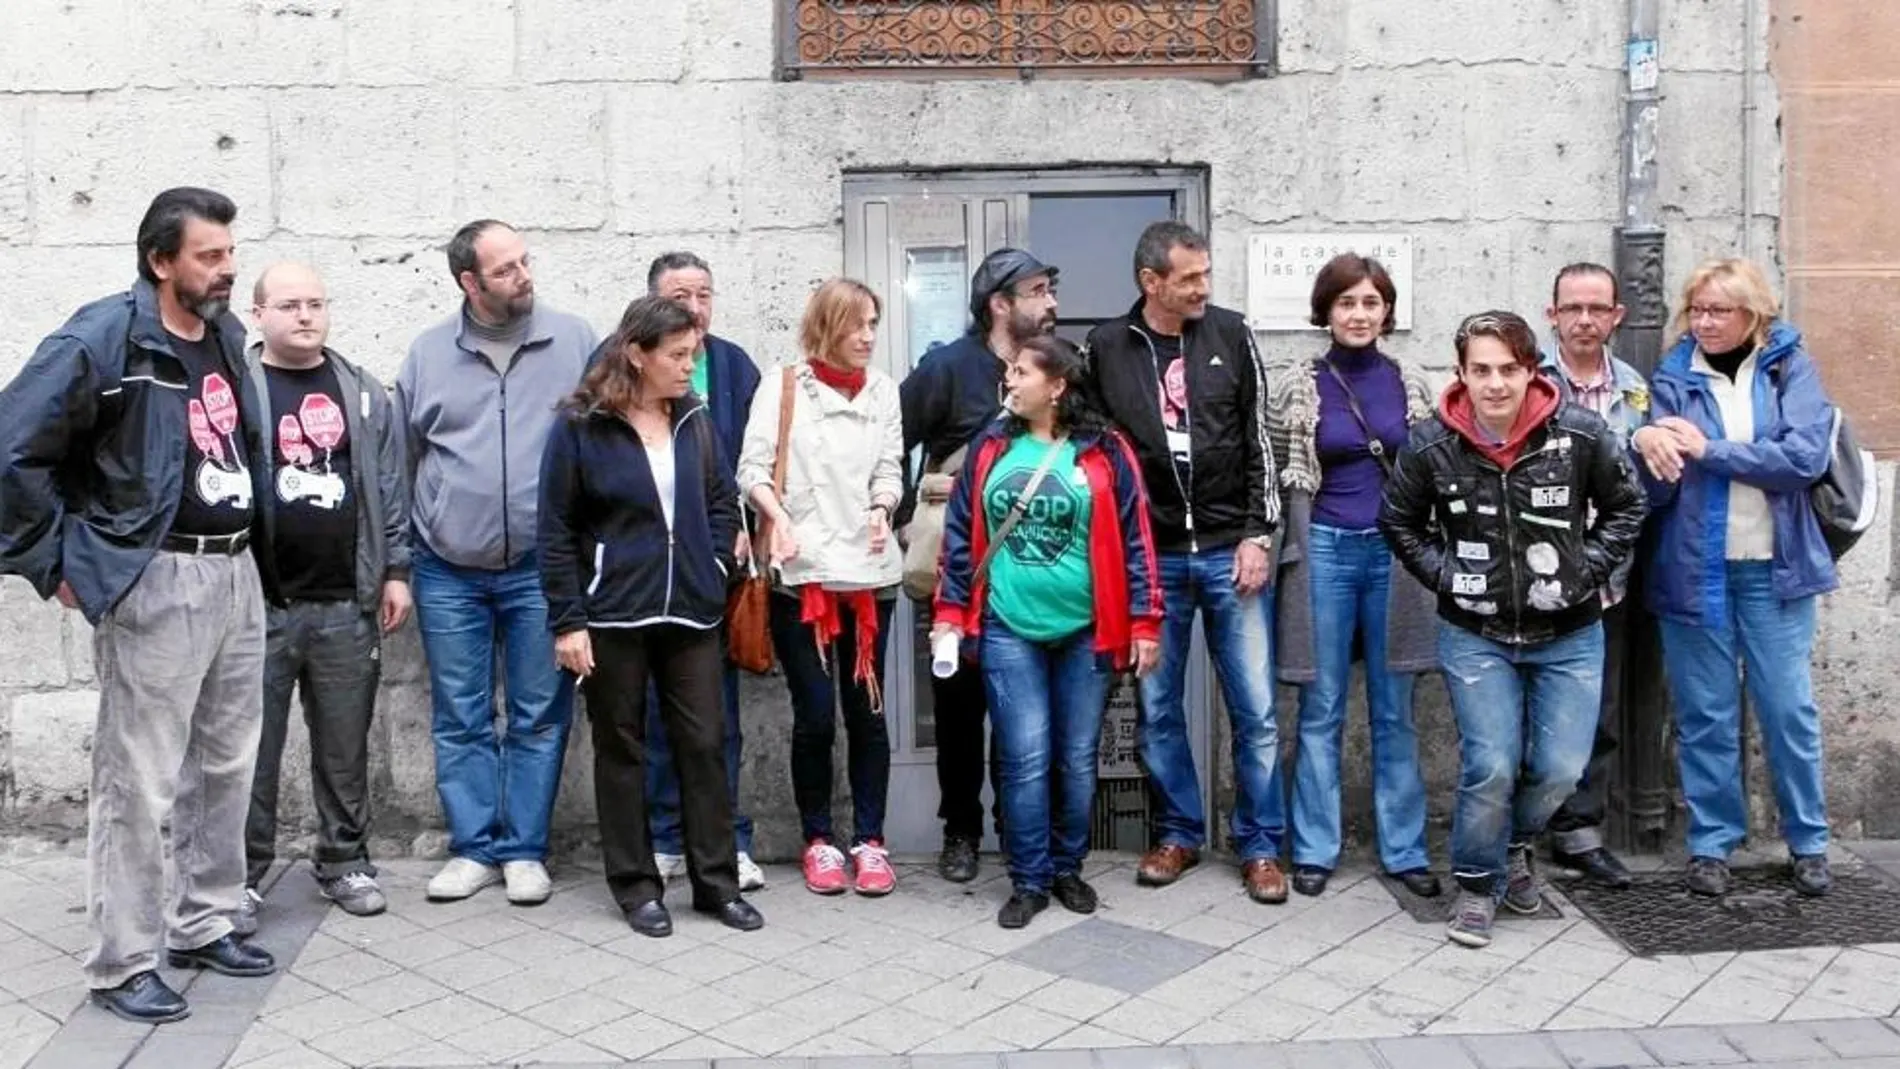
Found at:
(847, 381)
(821, 609)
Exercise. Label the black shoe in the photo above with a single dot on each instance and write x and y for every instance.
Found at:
(1598, 865)
(738, 914)
(1707, 876)
(1074, 893)
(1310, 880)
(228, 955)
(144, 999)
(1016, 912)
(957, 863)
(1420, 882)
(1811, 875)
(651, 919)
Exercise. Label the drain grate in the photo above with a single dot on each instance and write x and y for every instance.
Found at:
(1438, 910)
(1657, 915)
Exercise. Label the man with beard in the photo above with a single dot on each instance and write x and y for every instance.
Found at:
(1183, 380)
(952, 393)
(341, 517)
(476, 398)
(130, 463)
(1585, 309)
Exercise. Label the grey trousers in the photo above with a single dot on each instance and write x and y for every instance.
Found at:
(181, 669)
(330, 653)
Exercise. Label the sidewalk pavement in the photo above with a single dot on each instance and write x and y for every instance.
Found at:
(1193, 975)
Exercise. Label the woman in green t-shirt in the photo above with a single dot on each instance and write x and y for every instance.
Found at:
(1069, 594)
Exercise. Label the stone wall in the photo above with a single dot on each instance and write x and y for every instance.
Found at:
(356, 135)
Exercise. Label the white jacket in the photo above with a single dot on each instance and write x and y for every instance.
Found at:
(845, 456)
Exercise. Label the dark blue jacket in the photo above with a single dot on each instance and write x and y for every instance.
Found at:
(607, 556)
(1793, 421)
(952, 394)
(731, 380)
(92, 450)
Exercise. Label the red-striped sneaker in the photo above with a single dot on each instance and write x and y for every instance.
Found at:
(824, 868)
(873, 862)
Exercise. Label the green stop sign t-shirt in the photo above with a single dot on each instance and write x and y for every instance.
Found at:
(1039, 583)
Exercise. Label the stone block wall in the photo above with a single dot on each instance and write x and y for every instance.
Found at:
(357, 134)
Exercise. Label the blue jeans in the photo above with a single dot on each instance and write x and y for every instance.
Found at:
(1240, 636)
(1527, 716)
(497, 792)
(663, 780)
(1774, 639)
(1351, 576)
(1046, 700)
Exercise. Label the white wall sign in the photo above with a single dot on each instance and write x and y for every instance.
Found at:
(1281, 267)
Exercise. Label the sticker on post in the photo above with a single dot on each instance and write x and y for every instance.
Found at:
(1550, 497)
(1467, 583)
(1474, 551)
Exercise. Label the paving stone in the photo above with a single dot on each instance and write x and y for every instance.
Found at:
(1688, 1046)
(1049, 1059)
(956, 1061)
(1425, 1052)
(1247, 1056)
(1514, 1052)
(1139, 1058)
(1331, 1056)
(1600, 1050)
(1775, 1042)
(1857, 1039)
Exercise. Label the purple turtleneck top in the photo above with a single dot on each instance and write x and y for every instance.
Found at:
(1351, 479)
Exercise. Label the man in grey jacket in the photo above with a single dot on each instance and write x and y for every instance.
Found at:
(476, 398)
(341, 515)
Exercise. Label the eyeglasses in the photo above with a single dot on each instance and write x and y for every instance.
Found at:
(1594, 311)
(291, 308)
(1711, 311)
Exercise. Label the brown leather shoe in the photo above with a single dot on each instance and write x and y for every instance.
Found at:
(1264, 881)
(1164, 864)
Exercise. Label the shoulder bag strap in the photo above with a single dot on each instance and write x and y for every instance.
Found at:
(1017, 510)
(1373, 444)
(762, 540)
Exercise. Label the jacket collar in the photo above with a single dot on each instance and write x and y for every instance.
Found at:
(539, 331)
(1140, 326)
(1783, 341)
(148, 326)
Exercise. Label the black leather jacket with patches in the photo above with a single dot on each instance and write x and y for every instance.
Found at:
(1517, 555)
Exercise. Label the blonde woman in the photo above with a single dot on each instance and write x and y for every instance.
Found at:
(838, 567)
(1739, 430)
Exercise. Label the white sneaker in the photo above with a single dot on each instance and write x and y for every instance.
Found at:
(528, 883)
(460, 878)
(751, 876)
(672, 866)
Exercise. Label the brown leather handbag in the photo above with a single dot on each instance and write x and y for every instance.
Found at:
(748, 610)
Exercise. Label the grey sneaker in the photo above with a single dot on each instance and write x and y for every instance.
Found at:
(354, 893)
(1707, 876)
(1811, 875)
(1522, 894)
(1471, 919)
(244, 921)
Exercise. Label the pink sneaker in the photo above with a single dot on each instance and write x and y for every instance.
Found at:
(824, 868)
(875, 875)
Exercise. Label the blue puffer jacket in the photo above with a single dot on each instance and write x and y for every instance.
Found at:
(1793, 421)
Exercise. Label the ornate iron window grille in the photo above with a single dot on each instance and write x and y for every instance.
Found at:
(1211, 38)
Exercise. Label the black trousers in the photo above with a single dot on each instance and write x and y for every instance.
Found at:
(328, 652)
(687, 670)
(960, 705)
(1632, 648)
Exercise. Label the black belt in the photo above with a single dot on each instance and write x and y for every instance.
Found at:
(229, 545)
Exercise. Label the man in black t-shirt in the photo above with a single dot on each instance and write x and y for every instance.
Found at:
(341, 550)
(129, 491)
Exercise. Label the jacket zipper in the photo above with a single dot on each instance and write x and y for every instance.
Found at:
(1187, 498)
(507, 549)
(666, 605)
(1510, 555)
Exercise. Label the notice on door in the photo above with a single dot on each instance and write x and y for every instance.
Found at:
(1115, 757)
(1281, 268)
(936, 297)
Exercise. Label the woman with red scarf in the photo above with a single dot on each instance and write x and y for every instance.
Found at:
(838, 568)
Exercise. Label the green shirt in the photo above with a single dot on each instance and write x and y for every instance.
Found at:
(1040, 586)
(699, 375)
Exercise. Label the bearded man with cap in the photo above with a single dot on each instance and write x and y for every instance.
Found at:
(951, 395)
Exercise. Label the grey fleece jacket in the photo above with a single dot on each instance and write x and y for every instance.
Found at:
(377, 467)
(475, 433)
